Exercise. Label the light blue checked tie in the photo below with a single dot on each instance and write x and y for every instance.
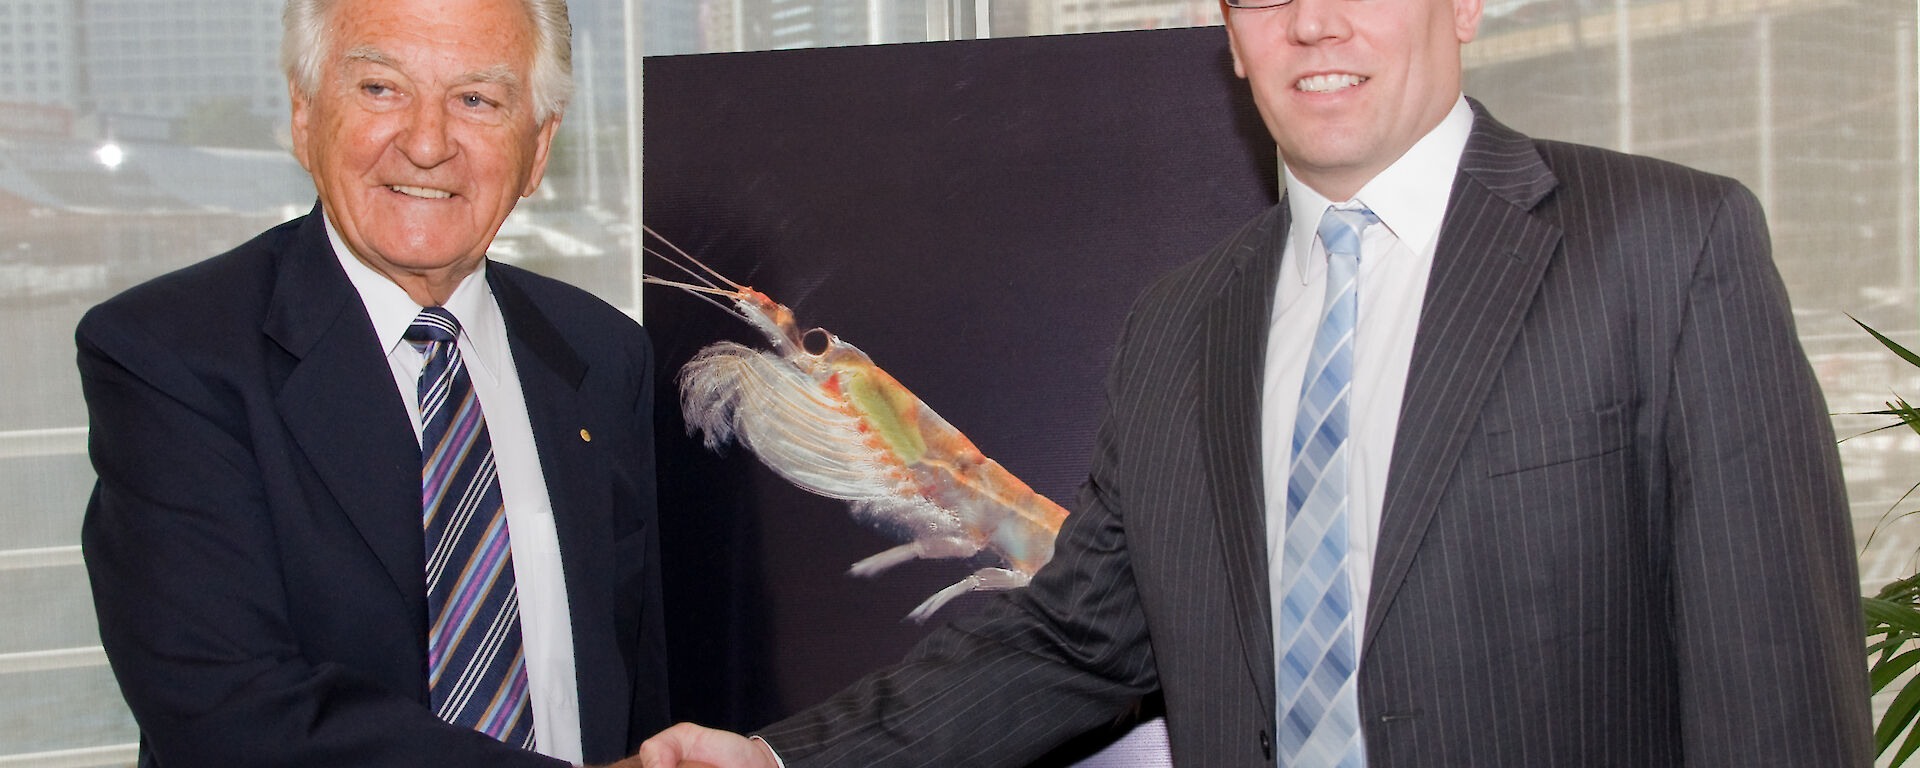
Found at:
(1319, 713)
(476, 670)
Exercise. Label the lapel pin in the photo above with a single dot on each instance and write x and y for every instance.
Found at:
(585, 436)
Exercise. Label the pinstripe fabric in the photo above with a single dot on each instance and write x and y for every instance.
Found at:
(1614, 534)
(476, 668)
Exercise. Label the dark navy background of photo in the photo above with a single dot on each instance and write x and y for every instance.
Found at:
(978, 217)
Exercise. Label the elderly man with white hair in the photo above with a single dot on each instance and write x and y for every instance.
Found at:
(366, 498)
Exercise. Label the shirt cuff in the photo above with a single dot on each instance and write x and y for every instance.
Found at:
(776, 755)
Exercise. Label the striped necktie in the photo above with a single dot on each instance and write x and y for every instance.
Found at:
(477, 673)
(1317, 634)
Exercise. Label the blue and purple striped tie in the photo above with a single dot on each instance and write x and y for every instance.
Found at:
(477, 672)
(1317, 630)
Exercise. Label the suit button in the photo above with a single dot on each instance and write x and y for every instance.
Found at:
(1266, 745)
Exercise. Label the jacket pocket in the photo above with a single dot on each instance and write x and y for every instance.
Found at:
(1579, 436)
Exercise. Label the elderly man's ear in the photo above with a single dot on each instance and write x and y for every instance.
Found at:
(542, 148)
(297, 127)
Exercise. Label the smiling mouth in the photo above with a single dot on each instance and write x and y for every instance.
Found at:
(420, 192)
(1327, 83)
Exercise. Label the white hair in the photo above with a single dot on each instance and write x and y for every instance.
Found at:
(307, 24)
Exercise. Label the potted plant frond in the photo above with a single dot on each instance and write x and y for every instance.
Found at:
(1893, 616)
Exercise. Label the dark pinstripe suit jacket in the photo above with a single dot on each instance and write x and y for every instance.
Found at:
(1614, 531)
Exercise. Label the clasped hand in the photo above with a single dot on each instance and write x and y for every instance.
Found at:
(691, 746)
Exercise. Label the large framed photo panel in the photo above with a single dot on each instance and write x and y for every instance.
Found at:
(976, 216)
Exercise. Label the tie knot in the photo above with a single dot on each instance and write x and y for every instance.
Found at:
(1340, 229)
(433, 324)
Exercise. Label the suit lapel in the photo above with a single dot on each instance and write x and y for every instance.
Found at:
(339, 403)
(1234, 352)
(579, 485)
(577, 476)
(1487, 267)
(550, 377)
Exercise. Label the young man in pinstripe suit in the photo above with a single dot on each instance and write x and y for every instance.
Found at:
(1592, 514)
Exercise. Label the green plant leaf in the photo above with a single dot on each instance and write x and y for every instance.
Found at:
(1890, 669)
(1899, 715)
(1892, 642)
(1907, 747)
(1902, 591)
(1906, 412)
(1911, 358)
(1899, 616)
(1881, 428)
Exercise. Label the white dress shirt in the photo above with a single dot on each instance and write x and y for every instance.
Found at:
(1396, 256)
(546, 629)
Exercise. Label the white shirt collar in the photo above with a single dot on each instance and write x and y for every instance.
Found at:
(392, 310)
(1410, 196)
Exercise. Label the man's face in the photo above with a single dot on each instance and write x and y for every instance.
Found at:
(421, 134)
(1347, 86)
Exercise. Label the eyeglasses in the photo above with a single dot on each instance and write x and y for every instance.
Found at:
(1257, 4)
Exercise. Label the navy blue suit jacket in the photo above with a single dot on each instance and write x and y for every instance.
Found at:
(254, 541)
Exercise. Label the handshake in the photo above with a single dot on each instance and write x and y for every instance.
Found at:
(690, 746)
